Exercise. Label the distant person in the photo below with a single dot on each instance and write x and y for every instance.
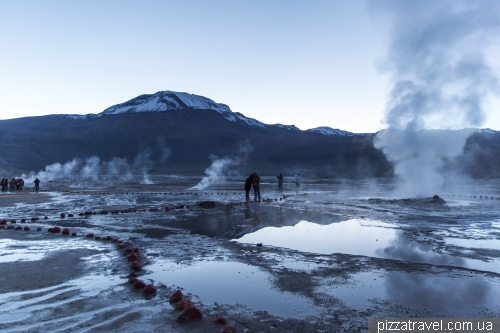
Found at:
(22, 184)
(37, 184)
(297, 180)
(5, 183)
(13, 184)
(248, 186)
(256, 186)
(280, 181)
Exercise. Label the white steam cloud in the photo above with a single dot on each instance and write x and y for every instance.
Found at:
(441, 81)
(94, 170)
(217, 172)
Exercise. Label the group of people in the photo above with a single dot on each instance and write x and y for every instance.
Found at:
(254, 180)
(16, 184)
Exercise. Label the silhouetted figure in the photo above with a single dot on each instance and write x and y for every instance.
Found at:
(256, 186)
(297, 180)
(248, 186)
(280, 181)
(37, 184)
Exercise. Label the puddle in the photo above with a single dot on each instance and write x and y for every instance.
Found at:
(15, 250)
(230, 283)
(447, 296)
(474, 243)
(361, 237)
(17, 306)
(351, 237)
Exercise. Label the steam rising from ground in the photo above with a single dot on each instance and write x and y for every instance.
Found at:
(220, 168)
(441, 80)
(93, 170)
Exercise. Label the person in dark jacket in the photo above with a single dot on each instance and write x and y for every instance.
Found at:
(248, 186)
(256, 186)
(280, 181)
(37, 184)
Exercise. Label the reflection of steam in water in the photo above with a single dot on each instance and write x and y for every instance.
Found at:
(445, 295)
(411, 251)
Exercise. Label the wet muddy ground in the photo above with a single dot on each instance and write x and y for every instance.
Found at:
(321, 258)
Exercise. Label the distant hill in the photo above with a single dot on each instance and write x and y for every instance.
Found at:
(194, 129)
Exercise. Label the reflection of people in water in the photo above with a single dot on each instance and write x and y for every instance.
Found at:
(280, 181)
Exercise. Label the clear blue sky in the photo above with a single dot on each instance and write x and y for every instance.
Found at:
(307, 63)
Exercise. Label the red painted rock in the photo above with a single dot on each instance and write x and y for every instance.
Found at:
(2, 226)
(81, 214)
(97, 237)
(88, 213)
(10, 226)
(150, 289)
(219, 320)
(192, 313)
(55, 230)
(127, 251)
(33, 219)
(12, 221)
(176, 296)
(73, 234)
(136, 250)
(23, 221)
(62, 215)
(38, 229)
(90, 235)
(227, 329)
(27, 229)
(3, 222)
(65, 231)
(183, 304)
(70, 215)
(116, 240)
(132, 279)
(45, 217)
(136, 265)
(109, 238)
(104, 212)
(19, 228)
(139, 284)
(132, 274)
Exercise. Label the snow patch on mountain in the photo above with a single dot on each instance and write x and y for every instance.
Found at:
(287, 127)
(165, 101)
(325, 130)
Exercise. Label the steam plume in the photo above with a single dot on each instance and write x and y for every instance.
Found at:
(441, 80)
(93, 170)
(217, 172)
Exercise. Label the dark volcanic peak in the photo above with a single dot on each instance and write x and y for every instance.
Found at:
(178, 101)
(166, 101)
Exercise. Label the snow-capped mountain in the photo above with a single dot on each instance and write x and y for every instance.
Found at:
(165, 101)
(172, 100)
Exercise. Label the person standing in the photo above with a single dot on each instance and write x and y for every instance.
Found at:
(297, 180)
(280, 181)
(37, 184)
(248, 186)
(256, 186)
